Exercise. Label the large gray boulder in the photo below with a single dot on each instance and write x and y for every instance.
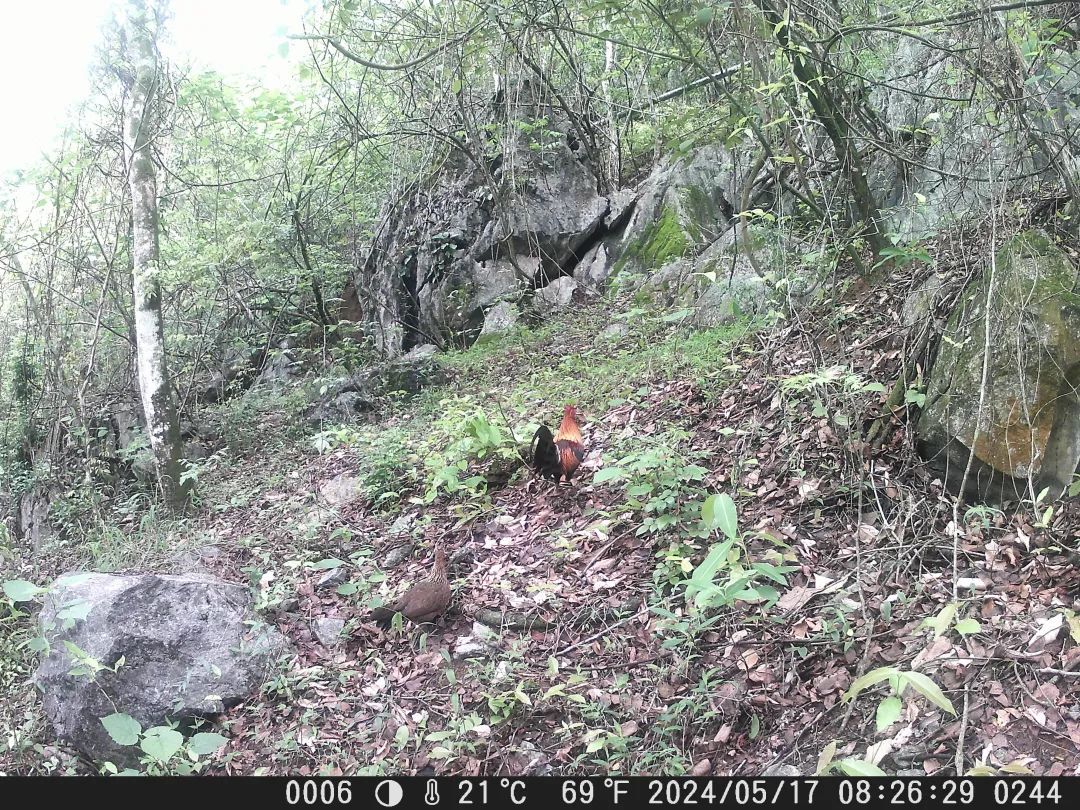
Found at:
(499, 320)
(961, 155)
(556, 296)
(721, 282)
(190, 648)
(33, 526)
(685, 204)
(450, 249)
(1025, 428)
(344, 399)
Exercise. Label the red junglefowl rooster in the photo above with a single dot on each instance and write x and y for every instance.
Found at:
(423, 602)
(558, 457)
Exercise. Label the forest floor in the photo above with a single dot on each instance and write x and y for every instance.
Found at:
(571, 645)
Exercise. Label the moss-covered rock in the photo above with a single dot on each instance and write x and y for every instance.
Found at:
(660, 242)
(1025, 427)
(683, 206)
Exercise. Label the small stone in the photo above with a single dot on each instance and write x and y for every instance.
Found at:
(327, 630)
(421, 352)
(556, 296)
(341, 490)
(397, 555)
(403, 525)
(703, 768)
(289, 604)
(613, 332)
(781, 770)
(499, 320)
(333, 578)
(468, 647)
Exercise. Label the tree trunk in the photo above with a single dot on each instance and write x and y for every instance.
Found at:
(822, 88)
(162, 418)
(612, 154)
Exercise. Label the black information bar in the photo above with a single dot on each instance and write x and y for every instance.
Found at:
(599, 792)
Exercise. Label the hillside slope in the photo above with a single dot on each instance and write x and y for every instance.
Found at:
(572, 644)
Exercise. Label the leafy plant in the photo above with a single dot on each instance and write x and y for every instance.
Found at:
(889, 708)
(165, 751)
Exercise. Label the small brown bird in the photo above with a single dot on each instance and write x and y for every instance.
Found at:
(423, 602)
(557, 457)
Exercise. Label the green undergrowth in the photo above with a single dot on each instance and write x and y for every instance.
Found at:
(503, 390)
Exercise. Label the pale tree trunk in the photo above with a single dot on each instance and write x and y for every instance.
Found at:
(159, 406)
(612, 162)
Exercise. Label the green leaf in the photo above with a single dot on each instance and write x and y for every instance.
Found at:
(943, 620)
(608, 474)
(1074, 625)
(678, 315)
(718, 512)
(704, 574)
(206, 743)
(966, 627)
(19, 590)
(825, 758)
(874, 676)
(161, 742)
(123, 728)
(77, 611)
(888, 712)
(704, 15)
(859, 767)
(928, 689)
(327, 564)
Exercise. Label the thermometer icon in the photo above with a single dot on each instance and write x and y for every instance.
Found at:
(431, 795)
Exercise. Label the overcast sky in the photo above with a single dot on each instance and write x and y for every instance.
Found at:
(48, 45)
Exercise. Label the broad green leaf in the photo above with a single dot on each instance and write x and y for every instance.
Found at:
(943, 620)
(123, 728)
(608, 474)
(705, 573)
(874, 676)
(19, 590)
(206, 742)
(718, 512)
(327, 564)
(859, 767)
(678, 315)
(966, 627)
(1017, 767)
(1074, 625)
(888, 712)
(77, 611)
(928, 689)
(161, 742)
(825, 758)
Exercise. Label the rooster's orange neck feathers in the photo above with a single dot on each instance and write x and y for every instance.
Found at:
(569, 430)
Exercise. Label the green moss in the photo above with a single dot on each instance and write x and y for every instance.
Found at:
(1029, 244)
(662, 241)
(703, 213)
